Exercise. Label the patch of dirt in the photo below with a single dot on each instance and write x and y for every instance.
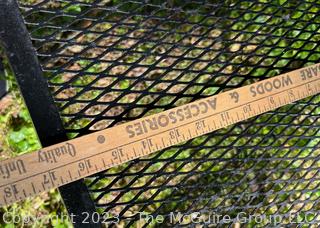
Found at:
(5, 103)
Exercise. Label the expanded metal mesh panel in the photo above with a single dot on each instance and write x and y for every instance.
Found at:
(108, 62)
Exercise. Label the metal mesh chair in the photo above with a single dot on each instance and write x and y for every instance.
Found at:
(99, 63)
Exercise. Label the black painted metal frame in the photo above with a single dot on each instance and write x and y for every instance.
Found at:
(3, 83)
(18, 47)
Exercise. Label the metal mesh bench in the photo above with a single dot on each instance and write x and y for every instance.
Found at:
(85, 65)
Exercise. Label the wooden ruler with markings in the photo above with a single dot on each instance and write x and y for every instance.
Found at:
(59, 164)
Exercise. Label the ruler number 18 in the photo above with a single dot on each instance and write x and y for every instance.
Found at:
(11, 191)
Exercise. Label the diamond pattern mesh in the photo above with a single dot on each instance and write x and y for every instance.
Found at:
(111, 61)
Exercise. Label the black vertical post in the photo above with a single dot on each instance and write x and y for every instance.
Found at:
(3, 84)
(16, 41)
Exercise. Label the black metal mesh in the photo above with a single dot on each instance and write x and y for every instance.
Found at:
(111, 61)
